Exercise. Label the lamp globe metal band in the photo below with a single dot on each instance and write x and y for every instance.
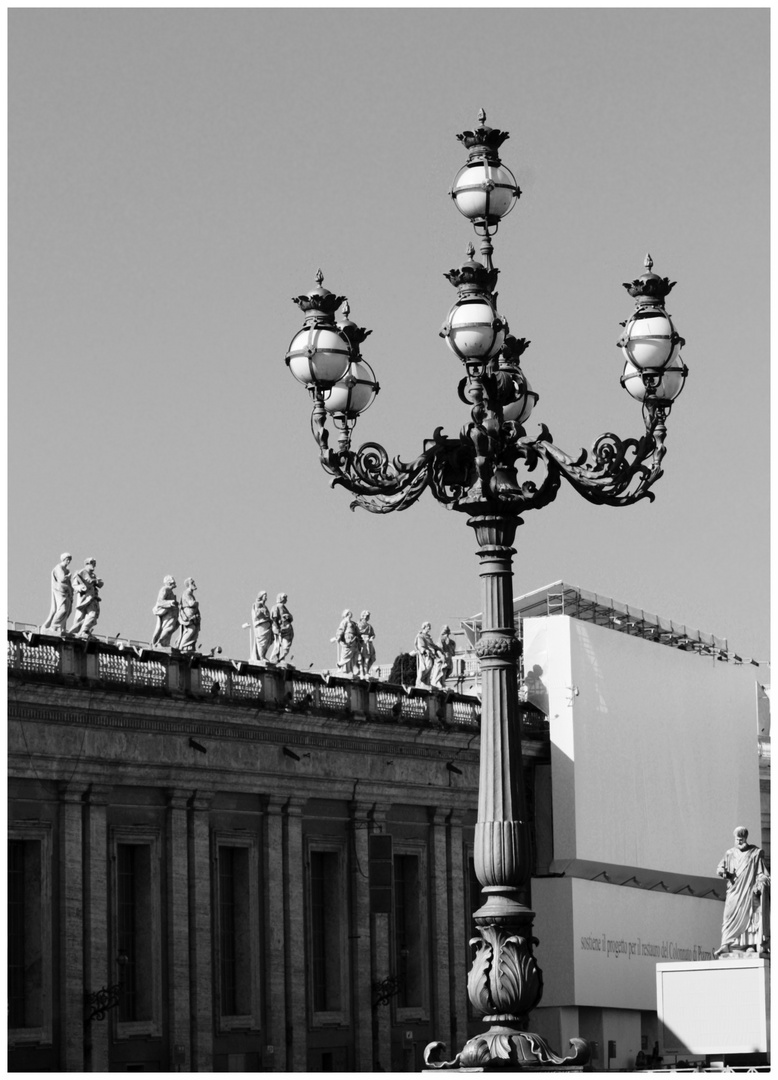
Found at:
(473, 329)
(664, 386)
(354, 393)
(526, 399)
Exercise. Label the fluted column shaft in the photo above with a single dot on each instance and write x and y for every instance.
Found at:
(501, 838)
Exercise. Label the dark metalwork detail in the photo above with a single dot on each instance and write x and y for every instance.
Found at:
(649, 286)
(484, 141)
(385, 990)
(505, 1048)
(477, 472)
(102, 1000)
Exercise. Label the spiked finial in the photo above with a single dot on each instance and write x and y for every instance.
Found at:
(649, 287)
(484, 142)
(319, 301)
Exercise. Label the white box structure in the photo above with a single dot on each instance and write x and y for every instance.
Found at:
(714, 1007)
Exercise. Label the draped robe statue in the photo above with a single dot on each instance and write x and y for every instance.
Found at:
(263, 627)
(189, 617)
(349, 642)
(61, 595)
(745, 926)
(166, 610)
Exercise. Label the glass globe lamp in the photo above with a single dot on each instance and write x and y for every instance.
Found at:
(526, 399)
(473, 329)
(319, 355)
(354, 392)
(650, 341)
(484, 190)
(661, 386)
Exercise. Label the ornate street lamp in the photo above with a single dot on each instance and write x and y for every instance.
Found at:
(477, 474)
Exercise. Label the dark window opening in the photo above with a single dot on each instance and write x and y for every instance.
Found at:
(407, 931)
(325, 930)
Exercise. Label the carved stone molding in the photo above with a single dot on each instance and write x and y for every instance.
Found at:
(504, 648)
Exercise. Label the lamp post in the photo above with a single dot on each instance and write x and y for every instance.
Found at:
(478, 474)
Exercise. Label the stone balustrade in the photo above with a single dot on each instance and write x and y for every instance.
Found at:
(136, 667)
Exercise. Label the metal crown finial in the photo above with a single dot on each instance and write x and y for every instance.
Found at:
(319, 277)
(470, 252)
(481, 117)
(648, 263)
(346, 308)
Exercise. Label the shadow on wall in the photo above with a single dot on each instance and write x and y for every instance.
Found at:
(534, 690)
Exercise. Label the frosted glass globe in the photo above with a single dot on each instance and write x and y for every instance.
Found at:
(472, 333)
(649, 340)
(483, 190)
(354, 392)
(318, 355)
(668, 388)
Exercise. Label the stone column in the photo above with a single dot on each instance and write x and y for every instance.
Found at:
(200, 951)
(457, 921)
(359, 932)
(178, 925)
(100, 969)
(275, 973)
(294, 938)
(441, 1016)
(71, 926)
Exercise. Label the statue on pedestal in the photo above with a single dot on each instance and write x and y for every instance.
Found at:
(444, 662)
(426, 651)
(283, 631)
(189, 617)
(745, 927)
(263, 627)
(349, 642)
(85, 586)
(61, 595)
(166, 610)
(367, 633)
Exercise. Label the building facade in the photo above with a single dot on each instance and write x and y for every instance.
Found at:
(234, 867)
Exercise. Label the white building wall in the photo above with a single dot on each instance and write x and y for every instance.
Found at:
(653, 750)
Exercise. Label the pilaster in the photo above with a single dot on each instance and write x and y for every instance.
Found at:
(359, 932)
(381, 968)
(200, 945)
(178, 925)
(98, 969)
(71, 926)
(294, 938)
(441, 965)
(457, 927)
(275, 975)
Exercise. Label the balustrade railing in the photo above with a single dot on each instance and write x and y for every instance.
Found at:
(134, 665)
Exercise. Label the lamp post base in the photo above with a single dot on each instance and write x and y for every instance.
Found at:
(505, 1047)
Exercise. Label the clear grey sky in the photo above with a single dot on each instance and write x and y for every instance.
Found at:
(177, 175)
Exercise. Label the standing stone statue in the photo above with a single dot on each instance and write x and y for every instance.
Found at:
(189, 617)
(85, 586)
(367, 654)
(61, 595)
(283, 631)
(444, 662)
(349, 642)
(426, 651)
(166, 610)
(746, 908)
(263, 627)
